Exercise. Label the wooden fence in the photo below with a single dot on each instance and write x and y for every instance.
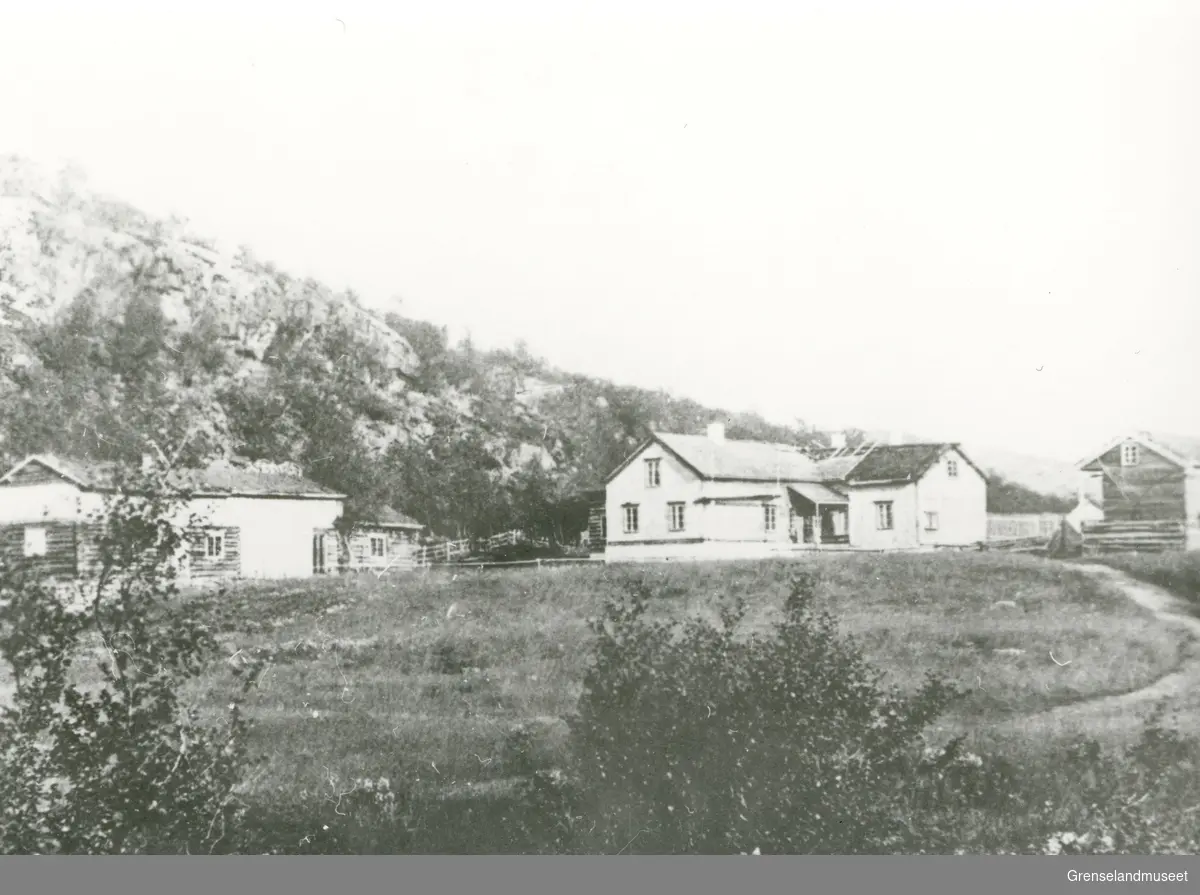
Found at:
(1148, 537)
(452, 551)
(1022, 527)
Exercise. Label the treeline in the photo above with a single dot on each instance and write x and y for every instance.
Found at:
(1004, 496)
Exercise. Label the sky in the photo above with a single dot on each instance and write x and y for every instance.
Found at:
(976, 221)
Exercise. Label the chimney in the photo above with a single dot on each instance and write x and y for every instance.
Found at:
(837, 440)
(716, 432)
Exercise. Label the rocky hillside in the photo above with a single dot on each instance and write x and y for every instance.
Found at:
(122, 332)
(58, 241)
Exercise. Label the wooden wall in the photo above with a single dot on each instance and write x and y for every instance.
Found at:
(61, 559)
(401, 545)
(1154, 489)
(596, 527)
(202, 567)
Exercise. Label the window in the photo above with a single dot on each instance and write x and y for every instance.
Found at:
(952, 468)
(214, 546)
(653, 474)
(378, 545)
(1129, 455)
(676, 516)
(35, 542)
(931, 521)
(631, 518)
(883, 515)
(769, 517)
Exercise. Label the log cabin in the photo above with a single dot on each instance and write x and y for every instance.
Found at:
(1148, 489)
(242, 521)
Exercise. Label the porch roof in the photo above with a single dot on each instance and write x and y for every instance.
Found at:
(815, 494)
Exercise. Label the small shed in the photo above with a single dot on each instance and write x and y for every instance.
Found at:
(390, 540)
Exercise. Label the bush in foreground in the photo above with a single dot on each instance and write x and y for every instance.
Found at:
(116, 765)
(692, 738)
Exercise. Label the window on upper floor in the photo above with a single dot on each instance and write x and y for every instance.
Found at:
(952, 468)
(1129, 454)
(653, 473)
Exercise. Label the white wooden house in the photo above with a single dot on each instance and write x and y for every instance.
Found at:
(249, 522)
(706, 497)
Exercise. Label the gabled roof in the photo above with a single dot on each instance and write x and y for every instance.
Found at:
(1181, 449)
(214, 481)
(895, 463)
(746, 461)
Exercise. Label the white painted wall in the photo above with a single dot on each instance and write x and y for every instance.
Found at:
(720, 522)
(865, 534)
(45, 502)
(678, 483)
(1192, 493)
(1084, 511)
(960, 502)
(276, 533)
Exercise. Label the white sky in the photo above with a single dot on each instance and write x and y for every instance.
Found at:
(874, 214)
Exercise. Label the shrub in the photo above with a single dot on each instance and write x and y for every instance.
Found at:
(691, 738)
(120, 766)
(1143, 800)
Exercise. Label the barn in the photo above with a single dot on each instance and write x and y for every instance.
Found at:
(1148, 489)
(254, 521)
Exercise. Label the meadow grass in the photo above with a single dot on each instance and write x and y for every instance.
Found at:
(1177, 571)
(449, 681)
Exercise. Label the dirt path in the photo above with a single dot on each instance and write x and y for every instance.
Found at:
(1125, 711)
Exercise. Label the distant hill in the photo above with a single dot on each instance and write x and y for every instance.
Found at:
(1041, 475)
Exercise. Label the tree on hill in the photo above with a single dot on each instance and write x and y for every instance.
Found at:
(1005, 496)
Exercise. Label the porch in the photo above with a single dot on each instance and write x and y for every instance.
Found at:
(818, 515)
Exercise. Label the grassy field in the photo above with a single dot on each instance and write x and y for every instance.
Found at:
(450, 682)
(1178, 572)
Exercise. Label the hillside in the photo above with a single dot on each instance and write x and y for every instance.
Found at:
(121, 333)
